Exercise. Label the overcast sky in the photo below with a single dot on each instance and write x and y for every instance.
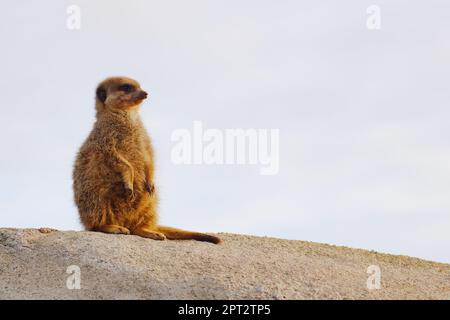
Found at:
(363, 114)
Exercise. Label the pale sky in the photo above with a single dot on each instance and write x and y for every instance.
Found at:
(363, 114)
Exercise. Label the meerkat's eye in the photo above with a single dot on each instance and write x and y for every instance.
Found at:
(127, 88)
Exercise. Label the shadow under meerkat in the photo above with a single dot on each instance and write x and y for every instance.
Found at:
(114, 169)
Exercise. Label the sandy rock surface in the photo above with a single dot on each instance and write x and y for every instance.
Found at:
(34, 265)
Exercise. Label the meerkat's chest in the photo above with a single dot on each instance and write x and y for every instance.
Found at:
(143, 150)
(136, 149)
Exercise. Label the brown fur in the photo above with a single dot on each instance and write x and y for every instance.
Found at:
(114, 170)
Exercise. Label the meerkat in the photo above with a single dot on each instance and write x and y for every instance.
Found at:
(113, 176)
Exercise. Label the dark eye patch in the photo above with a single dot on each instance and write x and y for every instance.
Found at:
(101, 94)
(126, 87)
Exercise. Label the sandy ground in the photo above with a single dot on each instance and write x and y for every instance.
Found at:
(33, 265)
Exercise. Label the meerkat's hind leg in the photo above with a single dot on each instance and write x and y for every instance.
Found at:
(178, 234)
(112, 228)
(148, 233)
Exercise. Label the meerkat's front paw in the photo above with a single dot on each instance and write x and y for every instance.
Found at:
(149, 187)
(129, 194)
(128, 190)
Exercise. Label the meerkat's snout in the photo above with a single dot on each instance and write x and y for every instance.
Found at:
(142, 95)
(137, 96)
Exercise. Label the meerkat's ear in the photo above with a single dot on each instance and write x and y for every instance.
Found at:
(101, 94)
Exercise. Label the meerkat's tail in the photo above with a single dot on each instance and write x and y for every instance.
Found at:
(177, 234)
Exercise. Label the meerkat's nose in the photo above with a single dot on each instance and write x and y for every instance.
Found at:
(143, 94)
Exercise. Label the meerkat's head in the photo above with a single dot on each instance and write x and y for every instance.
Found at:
(119, 94)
